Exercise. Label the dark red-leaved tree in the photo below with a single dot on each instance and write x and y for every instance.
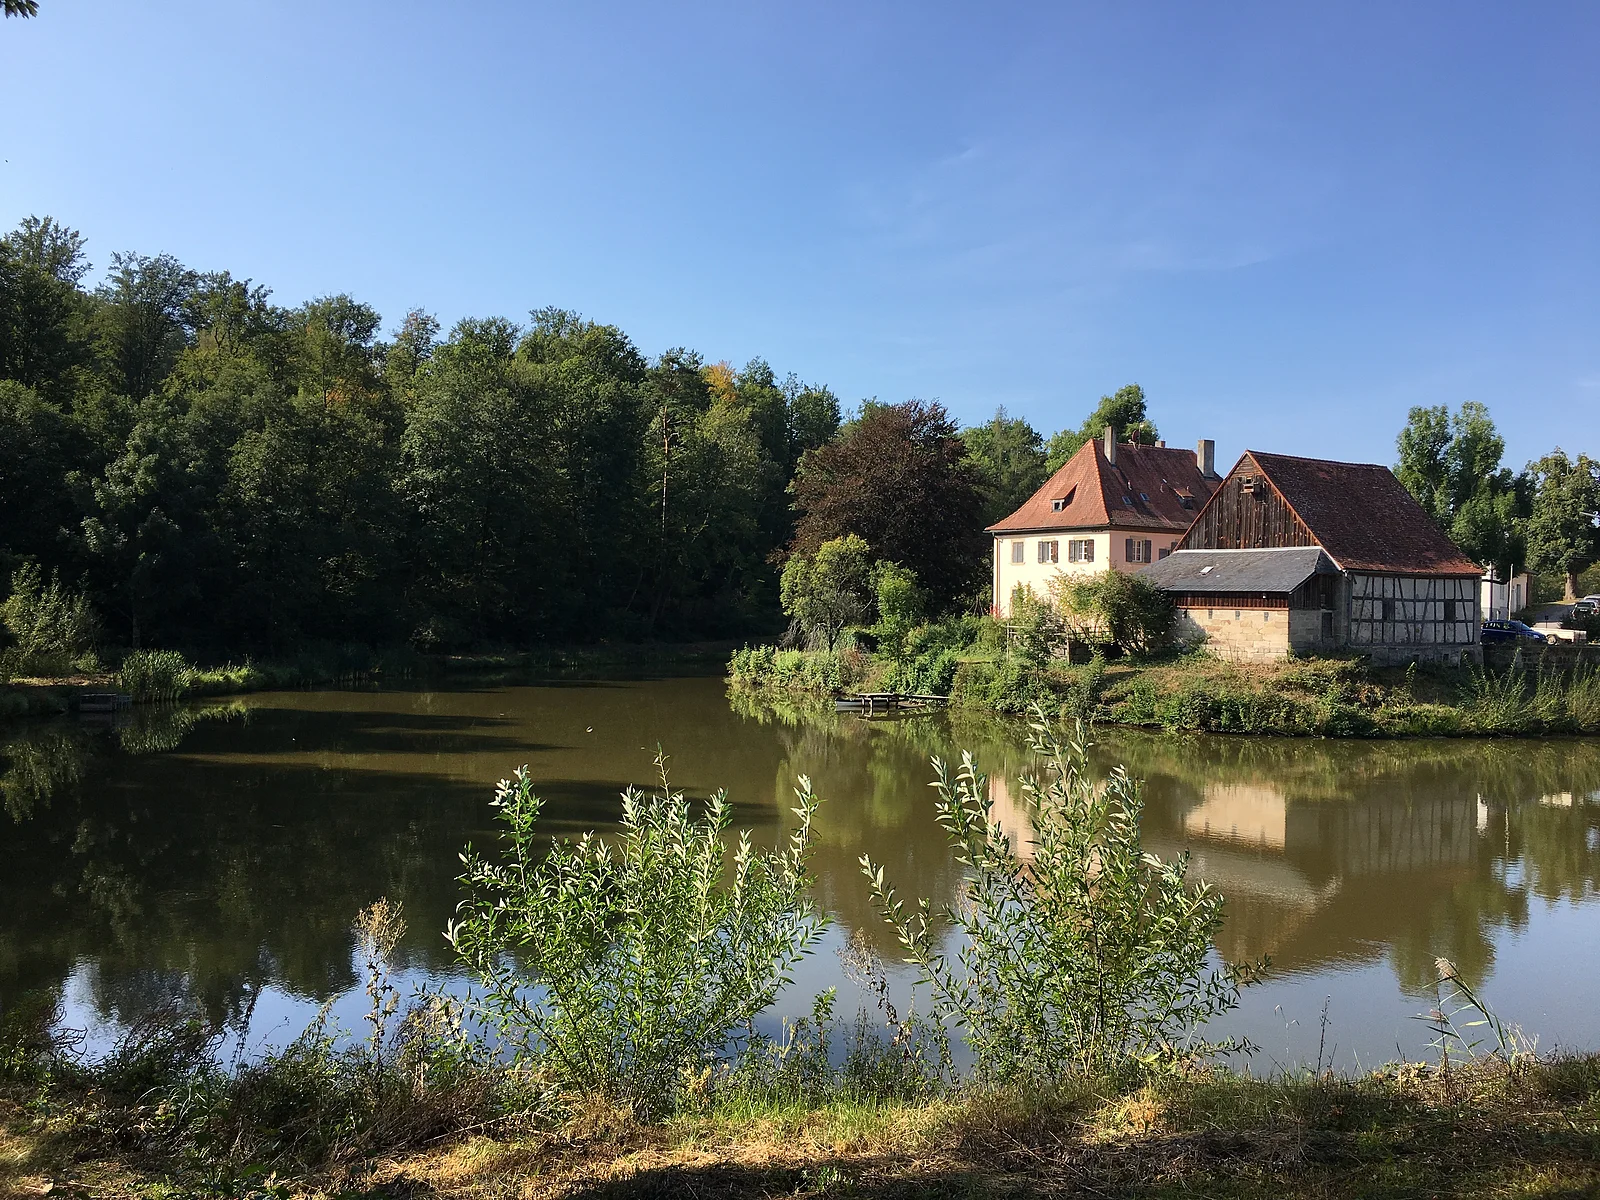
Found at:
(896, 476)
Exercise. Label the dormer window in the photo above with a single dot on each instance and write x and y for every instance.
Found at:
(1058, 505)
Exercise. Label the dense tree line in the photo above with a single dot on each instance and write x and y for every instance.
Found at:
(223, 473)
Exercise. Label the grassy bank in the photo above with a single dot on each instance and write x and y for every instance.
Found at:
(1197, 692)
(1401, 1131)
(168, 675)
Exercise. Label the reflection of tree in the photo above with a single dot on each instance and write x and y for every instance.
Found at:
(210, 879)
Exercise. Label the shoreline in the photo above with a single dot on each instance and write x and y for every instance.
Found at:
(1344, 698)
(38, 698)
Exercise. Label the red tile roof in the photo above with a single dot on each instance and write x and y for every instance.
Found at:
(1145, 489)
(1363, 516)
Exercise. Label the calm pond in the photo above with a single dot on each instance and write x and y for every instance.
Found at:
(217, 853)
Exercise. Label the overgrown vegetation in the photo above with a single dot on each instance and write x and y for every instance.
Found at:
(630, 971)
(48, 630)
(1080, 956)
(1011, 669)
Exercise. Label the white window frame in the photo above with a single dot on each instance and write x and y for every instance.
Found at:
(1080, 550)
(1049, 550)
(1137, 550)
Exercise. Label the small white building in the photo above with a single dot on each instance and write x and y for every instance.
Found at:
(1500, 600)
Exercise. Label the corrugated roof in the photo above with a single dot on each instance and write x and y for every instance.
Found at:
(1145, 489)
(1363, 516)
(1202, 572)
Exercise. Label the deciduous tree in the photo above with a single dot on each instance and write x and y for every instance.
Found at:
(897, 475)
(1563, 537)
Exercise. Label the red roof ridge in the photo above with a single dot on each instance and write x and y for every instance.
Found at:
(1152, 478)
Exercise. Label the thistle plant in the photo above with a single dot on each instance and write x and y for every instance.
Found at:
(1089, 958)
(628, 968)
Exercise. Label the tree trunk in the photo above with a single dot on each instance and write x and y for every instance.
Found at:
(1572, 587)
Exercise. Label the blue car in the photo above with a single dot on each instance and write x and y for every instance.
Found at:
(1509, 631)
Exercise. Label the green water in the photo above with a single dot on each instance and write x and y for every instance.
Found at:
(215, 855)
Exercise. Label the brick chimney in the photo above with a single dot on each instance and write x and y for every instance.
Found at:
(1111, 444)
(1205, 457)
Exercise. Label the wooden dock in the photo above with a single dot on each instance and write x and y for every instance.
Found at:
(886, 702)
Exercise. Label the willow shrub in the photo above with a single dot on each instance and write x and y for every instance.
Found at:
(630, 968)
(1087, 958)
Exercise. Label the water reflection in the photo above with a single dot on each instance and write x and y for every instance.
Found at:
(210, 853)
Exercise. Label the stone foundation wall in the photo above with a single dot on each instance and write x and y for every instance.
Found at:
(1244, 634)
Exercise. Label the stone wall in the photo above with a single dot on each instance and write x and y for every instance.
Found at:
(1243, 634)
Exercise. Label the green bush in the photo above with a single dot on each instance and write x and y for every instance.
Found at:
(824, 593)
(1092, 958)
(149, 675)
(52, 630)
(1117, 609)
(628, 968)
(901, 607)
(821, 672)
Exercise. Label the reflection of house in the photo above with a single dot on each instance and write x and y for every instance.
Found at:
(1240, 812)
(1115, 505)
(1009, 810)
(1302, 877)
(1301, 554)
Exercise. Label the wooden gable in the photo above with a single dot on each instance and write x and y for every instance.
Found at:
(1247, 512)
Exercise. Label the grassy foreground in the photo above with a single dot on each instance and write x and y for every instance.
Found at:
(1482, 1130)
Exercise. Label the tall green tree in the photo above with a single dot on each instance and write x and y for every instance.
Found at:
(1007, 454)
(1563, 529)
(143, 321)
(897, 476)
(44, 335)
(1451, 464)
(1124, 410)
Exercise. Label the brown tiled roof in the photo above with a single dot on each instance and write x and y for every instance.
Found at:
(1363, 516)
(1145, 489)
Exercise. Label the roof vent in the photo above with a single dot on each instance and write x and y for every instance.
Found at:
(1207, 570)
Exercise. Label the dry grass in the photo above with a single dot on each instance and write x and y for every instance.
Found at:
(1402, 1132)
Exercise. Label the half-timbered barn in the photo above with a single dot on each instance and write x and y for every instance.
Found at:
(1301, 554)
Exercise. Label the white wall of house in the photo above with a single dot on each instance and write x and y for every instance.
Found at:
(1110, 549)
(1499, 601)
(1031, 572)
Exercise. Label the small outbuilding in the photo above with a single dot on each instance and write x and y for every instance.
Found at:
(1306, 555)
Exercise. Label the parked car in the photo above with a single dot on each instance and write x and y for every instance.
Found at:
(1584, 609)
(1509, 631)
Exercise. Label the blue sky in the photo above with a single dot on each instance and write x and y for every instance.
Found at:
(1289, 223)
